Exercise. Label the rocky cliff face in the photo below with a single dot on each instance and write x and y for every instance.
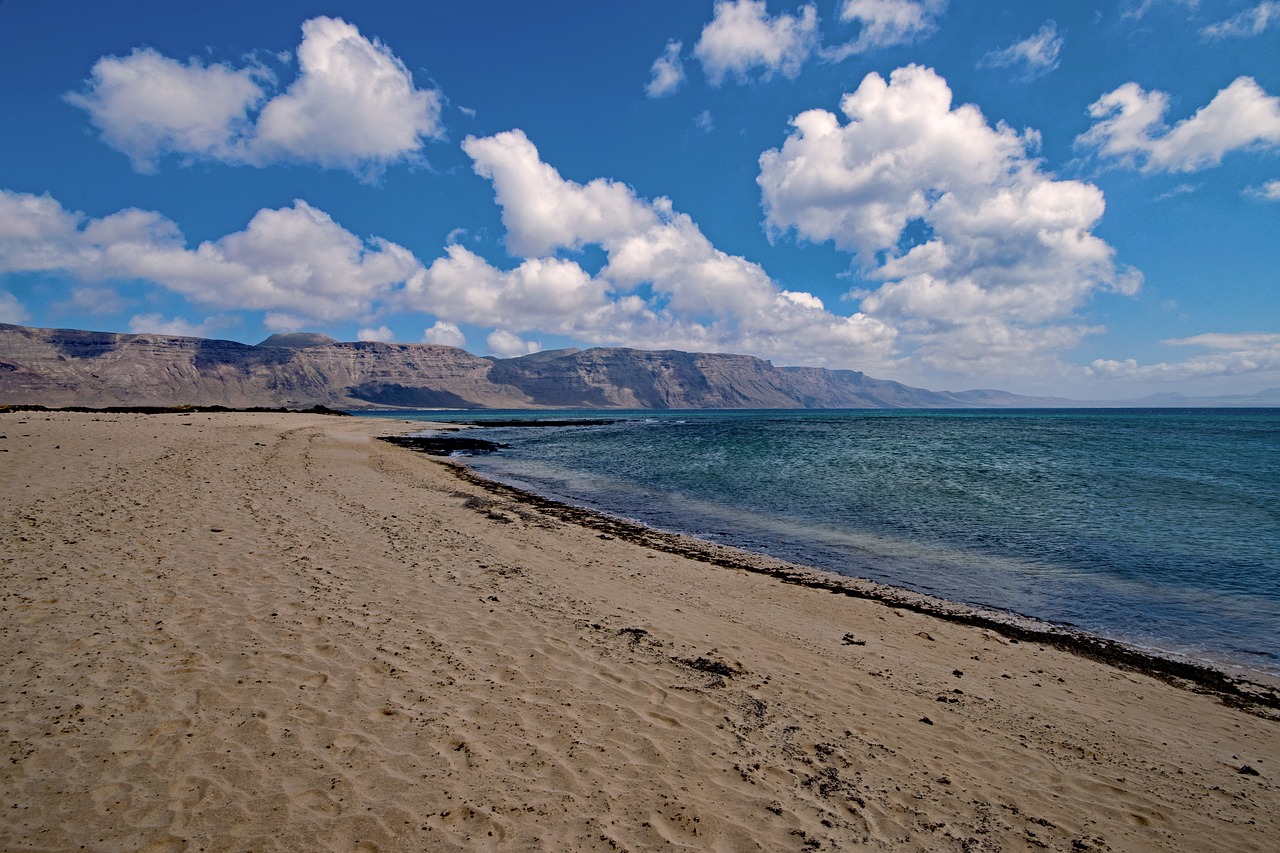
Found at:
(63, 367)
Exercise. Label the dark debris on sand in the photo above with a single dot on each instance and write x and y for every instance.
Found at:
(443, 445)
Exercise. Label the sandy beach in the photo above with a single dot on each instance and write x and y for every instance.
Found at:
(274, 632)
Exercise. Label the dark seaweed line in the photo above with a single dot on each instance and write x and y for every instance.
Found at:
(1257, 699)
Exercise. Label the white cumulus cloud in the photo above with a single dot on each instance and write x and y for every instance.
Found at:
(445, 334)
(1229, 354)
(36, 233)
(1269, 191)
(984, 258)
(885, 23)
(295, 261)
(542, 211)
(158, 324)
(1129, 127)
(1250, 22)
(146, 105)
(663, 285)
(743, 37)
(1037, 54)
(667, 72)
(548, 294)
(93, 299)
(11, 310)
(382, 334)
(506, 344)
(1137, 10)
(353, 105)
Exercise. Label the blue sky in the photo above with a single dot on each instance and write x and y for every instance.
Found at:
(1050, 198)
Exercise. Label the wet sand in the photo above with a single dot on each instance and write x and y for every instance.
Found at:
(273, 632)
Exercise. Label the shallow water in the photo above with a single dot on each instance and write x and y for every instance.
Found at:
(1160, 528)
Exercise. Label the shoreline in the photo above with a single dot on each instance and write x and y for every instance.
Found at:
(1256, 691)
(275, 632)
(1252, 694)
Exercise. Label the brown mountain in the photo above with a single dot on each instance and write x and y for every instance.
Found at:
(64, 367)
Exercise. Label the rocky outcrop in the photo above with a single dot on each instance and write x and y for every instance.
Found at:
(298, 340)
(64, 367)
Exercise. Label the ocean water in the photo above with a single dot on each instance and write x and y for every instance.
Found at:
(1159, 528)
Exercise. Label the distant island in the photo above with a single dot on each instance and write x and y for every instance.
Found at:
(69, 367)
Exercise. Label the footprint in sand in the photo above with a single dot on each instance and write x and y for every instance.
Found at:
(187, 792)
(475, 824)
(458, 755)
(167, 729)
(348, 741)
(110, 797)
(319, 801)
(660, 719)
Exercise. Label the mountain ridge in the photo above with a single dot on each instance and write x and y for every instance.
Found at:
(63, 367)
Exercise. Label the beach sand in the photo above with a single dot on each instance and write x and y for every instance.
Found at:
(273, 632)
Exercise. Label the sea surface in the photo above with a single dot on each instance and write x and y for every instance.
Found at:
(1159, 528)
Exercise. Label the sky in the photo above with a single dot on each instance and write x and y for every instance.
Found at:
(1052, 198)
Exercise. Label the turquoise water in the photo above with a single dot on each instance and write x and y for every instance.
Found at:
(1160, 528)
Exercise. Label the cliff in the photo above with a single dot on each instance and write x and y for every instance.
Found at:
(63, 367)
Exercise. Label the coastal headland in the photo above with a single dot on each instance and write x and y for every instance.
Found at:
(270, 631)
